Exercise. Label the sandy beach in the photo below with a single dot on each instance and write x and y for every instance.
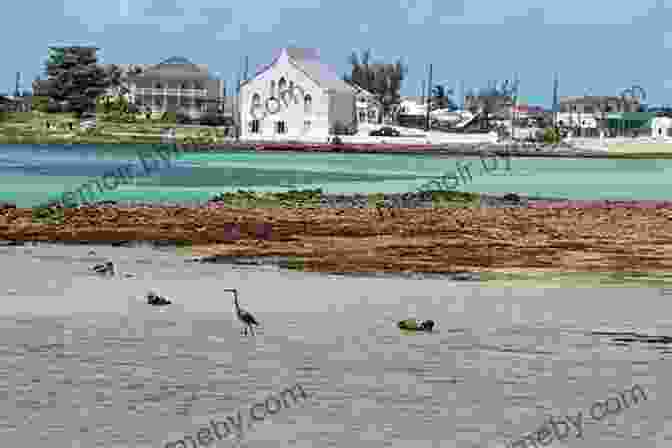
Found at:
(84, 363)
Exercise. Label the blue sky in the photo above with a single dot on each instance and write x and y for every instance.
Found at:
(597, 46)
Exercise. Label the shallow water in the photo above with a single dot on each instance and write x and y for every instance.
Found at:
(84, 364)
(33, 173)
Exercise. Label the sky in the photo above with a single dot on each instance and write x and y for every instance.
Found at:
(597, 47)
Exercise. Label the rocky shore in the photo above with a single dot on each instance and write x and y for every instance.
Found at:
(425, 239)
(412, 200)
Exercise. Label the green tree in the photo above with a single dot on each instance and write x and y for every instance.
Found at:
(75, 77)
(40, 103)
(383, 80)
(112, 108)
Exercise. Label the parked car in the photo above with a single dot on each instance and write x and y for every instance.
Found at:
(87, 124)
(385, 131)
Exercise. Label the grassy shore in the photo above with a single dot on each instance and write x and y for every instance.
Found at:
(31, 128)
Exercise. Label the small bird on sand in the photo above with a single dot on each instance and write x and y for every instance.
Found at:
(416, 325)
(243, 316)
(156, 300)
(105, 268)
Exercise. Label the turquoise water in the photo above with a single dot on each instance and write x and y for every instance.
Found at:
(33, 173)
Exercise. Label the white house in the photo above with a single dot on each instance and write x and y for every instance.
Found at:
(295, 97)
(412, 107)
(369, 109)
(661, 127)
(577, 119)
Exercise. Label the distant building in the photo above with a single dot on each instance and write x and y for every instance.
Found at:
(176, 85)
(498, 105)
(369, 109)
(597, 104)
(412, 106)
(593, 112)
(527, 111)
(296, 96)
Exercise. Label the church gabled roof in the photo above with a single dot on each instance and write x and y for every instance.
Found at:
(308, 61)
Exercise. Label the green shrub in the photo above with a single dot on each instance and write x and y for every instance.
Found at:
(169, 117)
(46, 215)
(40, 103)
(551, 136)
(294, 263)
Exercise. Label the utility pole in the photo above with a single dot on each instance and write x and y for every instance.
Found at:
(513, 113)
(238, 118)
(18, 80)
(429, 95)
(422, 92)
(555, 100)
(246, 66)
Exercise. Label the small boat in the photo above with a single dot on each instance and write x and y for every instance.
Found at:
(416, 325)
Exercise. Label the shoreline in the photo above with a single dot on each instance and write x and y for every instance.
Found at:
(444, 149)
(531, 277)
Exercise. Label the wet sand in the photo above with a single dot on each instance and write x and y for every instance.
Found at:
(81, 366)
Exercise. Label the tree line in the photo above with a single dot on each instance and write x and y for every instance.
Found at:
(75, 80)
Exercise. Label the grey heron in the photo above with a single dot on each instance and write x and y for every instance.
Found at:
(243, 316)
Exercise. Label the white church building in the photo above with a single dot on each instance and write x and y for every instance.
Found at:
(295, 97)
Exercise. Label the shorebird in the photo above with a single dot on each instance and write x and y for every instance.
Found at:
(416, 325)
(156, 300)
(105, 268)
(243, 316)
